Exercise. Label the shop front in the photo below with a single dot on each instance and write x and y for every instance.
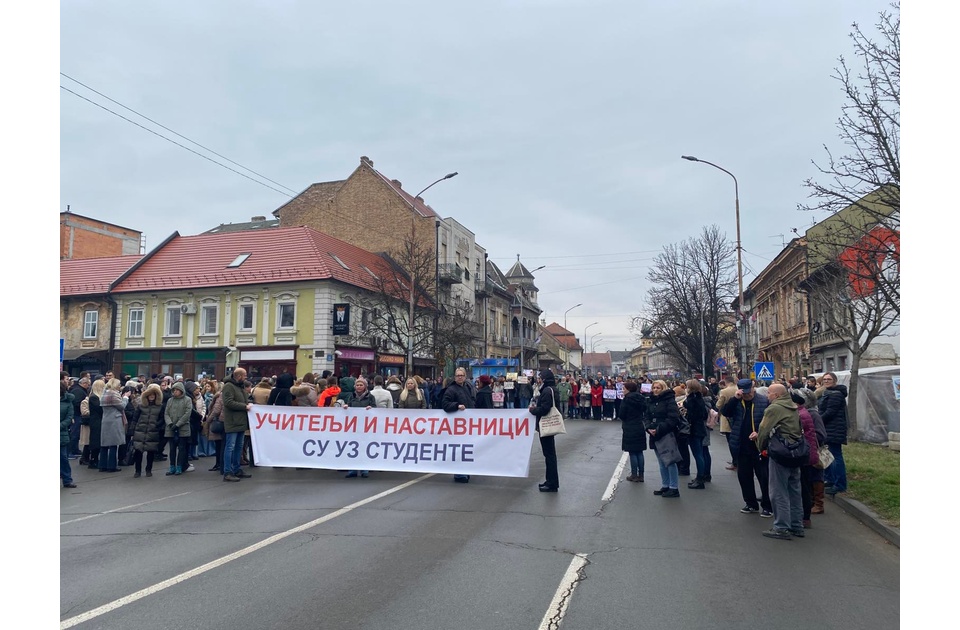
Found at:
(353, 361)
(268, 362)
(390, 364)
(189, 364)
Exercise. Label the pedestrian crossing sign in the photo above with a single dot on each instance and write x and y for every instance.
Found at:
(764, 371)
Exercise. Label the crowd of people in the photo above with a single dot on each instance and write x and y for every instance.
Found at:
(108, 422)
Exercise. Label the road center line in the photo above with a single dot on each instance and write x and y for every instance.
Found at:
(177, 579)
(561, 599)
(615, 479)
(128, 507)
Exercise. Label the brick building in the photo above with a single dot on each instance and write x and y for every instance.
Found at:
(83, 237)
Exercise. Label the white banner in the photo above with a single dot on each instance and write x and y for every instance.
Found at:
(493, 442)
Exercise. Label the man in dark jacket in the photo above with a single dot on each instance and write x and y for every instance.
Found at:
(235, 422)
(745, 411)
(833, 410)
(458, 396)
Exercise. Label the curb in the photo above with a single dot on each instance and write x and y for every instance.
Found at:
(869, 518)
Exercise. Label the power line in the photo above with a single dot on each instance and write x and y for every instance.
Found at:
(133, 122)
(175, 133)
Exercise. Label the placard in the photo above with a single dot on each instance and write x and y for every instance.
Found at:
(646, 388)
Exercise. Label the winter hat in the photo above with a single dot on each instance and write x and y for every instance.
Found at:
(745, 384)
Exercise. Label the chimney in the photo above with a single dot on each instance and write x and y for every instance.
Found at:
(396, 182)
(257, 219)
(365, 160)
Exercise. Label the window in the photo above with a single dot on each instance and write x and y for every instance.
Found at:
(208, 320)
(173, 323)
(340, 262)
(135, 324)
(286, 315)
(364, 320)
(90, 324)
(239, 260)
(245, 318)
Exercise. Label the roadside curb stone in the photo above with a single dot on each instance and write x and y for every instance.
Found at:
(868, 517)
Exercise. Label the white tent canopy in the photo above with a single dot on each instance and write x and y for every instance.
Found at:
(878, 402)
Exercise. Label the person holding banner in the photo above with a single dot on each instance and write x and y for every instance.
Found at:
(457, 396)
(361, 398)
(547, 400)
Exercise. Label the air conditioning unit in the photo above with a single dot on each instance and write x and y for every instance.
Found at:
(188, 309)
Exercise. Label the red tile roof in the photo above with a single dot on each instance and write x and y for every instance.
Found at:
(564, 337)
(91, 276)
(277, 255)
(596, 360)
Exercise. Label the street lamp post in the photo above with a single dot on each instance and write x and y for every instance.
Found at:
(566, 357)
(593, 343)
(413, 279)
(736, 196)
(585, 344)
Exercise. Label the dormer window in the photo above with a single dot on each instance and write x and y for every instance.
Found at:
(340, 262)
(239, 260)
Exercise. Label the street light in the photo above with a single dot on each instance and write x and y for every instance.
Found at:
(593, 345)
(413, 280)
(585, 344)
(567, 355)
(736, 193)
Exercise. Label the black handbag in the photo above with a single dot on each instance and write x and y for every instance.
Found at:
(788, 453)
(216, 426)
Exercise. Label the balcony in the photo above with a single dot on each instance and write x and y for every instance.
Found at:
(528, 344)
(450, 273)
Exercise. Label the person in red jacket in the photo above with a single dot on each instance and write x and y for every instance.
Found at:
(574, 408)
(328, 396)
(596, 398)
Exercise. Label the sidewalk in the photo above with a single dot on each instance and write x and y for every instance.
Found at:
(866, 516)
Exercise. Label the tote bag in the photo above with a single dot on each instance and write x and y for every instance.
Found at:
(667, 450)
(552, 422)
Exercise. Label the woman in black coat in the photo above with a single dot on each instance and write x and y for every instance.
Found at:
(485, 393)
(696, 412)
(633, 411)
(664, 420)
(547, 400)
(95, 421)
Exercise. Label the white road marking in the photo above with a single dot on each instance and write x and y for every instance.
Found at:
(615, 479)
(128, 507)
(561, 599)
(177, 579)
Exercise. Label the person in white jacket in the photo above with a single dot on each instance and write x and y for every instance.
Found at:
(382, 396)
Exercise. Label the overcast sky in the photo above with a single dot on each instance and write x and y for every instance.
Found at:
(566, 121)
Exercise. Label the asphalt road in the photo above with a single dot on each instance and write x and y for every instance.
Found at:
(308, 549)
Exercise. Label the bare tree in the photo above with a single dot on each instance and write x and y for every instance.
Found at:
(854, 255)
(867, 177)
(405, 277)
(693, 280)
(457, 333)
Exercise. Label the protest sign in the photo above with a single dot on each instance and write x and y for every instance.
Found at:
(471, 442)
